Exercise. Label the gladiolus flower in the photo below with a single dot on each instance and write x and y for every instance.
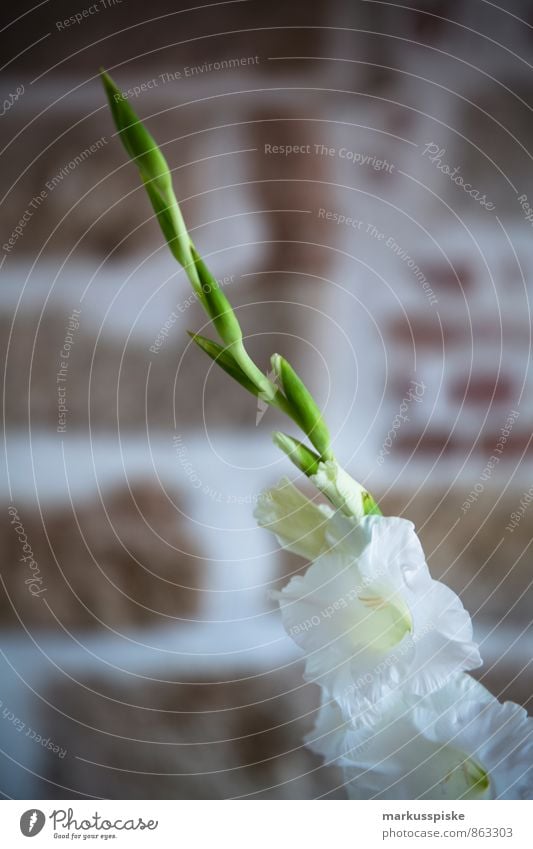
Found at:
(366, 612)
(458, 742)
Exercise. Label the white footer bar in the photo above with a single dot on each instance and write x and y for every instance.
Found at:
(267, 824)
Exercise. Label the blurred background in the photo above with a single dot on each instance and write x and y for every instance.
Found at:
(359, 177)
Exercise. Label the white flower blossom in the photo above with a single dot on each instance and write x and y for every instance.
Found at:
(366, 612)
(458, 742)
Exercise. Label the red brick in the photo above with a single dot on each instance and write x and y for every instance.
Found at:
(482, 389)
(423, 332)
(453, 277)
(431, 442)
(518, 442)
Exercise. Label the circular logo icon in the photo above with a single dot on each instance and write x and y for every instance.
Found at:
(32, 822)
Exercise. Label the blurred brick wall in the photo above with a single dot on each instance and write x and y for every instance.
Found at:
(345, 305)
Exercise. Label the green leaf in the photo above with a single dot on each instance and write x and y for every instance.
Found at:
(173, 230)
(216, 304)
(304, 405)
(225, 360)
(302, 456)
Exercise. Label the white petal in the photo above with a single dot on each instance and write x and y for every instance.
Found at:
(456, 742)
(329, 733)
(298, 523)
(443, 638)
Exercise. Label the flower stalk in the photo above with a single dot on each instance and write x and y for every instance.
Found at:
(292, 396)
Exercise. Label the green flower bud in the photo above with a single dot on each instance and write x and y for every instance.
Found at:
(138, 142)
(343, 491)
(155, 173)
(306, 411)
(302, 456)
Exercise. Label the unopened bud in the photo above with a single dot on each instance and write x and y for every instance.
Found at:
(304, 406)
(343, 491)
(155, 173)
(302, 456)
